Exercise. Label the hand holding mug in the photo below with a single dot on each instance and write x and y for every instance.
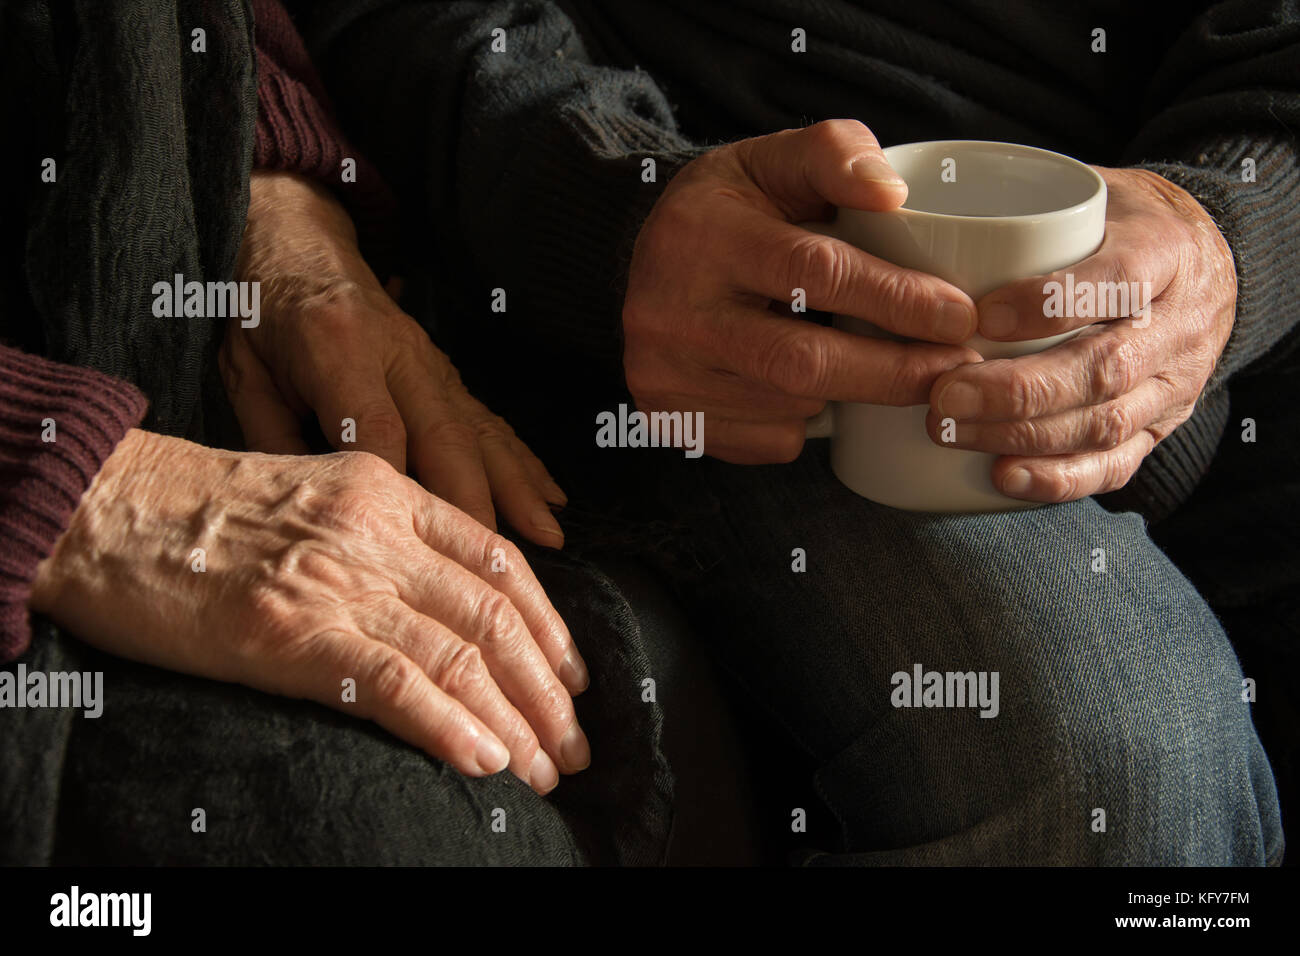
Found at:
(1080, 418)
(722, 243)
(978, 215)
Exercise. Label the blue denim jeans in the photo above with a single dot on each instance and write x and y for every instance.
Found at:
(1122, 736)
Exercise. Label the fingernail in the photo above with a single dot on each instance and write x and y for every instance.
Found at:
(575, 750)
(573, 672)
(545, 522)
(542, 775)
(998, 320)
(491, 754)
(1016, 482)
(959, 400)
(955, 322)
(555, 494)
(875, 171)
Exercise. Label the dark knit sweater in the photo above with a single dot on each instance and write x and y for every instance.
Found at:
(527, 163)
(41, 480)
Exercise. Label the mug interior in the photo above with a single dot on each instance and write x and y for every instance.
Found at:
(990, 179)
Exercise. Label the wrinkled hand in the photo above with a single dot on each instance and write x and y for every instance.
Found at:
(315, 570)
(720, 247)
(1079, 418)
(332, 342)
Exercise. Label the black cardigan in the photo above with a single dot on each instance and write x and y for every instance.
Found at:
(528, 162)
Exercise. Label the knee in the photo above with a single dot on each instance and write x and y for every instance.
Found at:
(1158, 761)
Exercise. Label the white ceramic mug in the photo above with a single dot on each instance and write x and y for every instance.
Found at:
(978, 215)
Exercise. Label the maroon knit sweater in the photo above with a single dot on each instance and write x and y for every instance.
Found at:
(296, 131)
(59, 423)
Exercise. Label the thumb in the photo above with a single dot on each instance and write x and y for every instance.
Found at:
(837, 162)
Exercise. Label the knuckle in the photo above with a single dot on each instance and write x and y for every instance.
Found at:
(494, 429)
(1114, 366)
(1023, 395)
(637, 374)
(1032, 437)
(834, 133)
(461, 670)
(825, 134)
(638, 318)
(1061, 485)
(673, 221)
(496, 545)
(382, 425)
(453, 434)
(1111, 426)
(817, 263)
(1118, 274)
(328, 318)
(902, 383)
(408, 334)
(795, 363)
(551, 701)
(1159, 431)
(361, 468)
(904, 290)
(396, 680)
(349, 507)
(494, 618)
(1117, 473)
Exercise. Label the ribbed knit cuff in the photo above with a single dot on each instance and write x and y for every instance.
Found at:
(1175, 467)
(58, 424)
(1260, 223)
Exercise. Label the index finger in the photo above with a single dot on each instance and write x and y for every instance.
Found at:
(839, 277)
(1096, 366)
(345, 384)
(443, 447)
(812, 361)
(1120, 280)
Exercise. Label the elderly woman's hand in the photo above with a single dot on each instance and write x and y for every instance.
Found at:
(331, 578)
(1079, 418)
(331, 342)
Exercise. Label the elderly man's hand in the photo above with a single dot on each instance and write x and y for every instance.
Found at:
(1079, 418)
(332, 342)
(721, 246)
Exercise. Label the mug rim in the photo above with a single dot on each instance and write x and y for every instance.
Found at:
(1098, 193)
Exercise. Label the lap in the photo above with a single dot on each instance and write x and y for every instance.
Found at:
(286, 782)
(1117, 687)
(1025, 593)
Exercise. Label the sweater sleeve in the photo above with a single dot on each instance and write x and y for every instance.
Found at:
(493, 112)
(58, 424)
(296, 132)
(1221, 114)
